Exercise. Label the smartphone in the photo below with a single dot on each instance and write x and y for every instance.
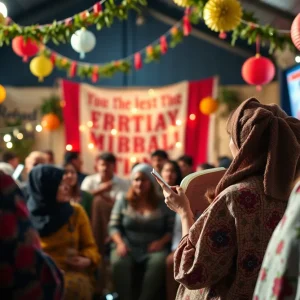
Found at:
(155, 174)
(18, 171)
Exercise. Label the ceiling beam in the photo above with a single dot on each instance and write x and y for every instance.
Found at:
(272, 9)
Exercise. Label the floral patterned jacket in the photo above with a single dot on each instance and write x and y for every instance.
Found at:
(221, 256)
(279, 278)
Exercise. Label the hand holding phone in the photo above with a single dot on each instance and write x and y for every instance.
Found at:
(159, 178)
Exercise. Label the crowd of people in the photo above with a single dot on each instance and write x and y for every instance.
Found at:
(68, 235)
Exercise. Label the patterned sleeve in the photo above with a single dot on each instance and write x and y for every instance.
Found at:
(279, 276)
(25, 271)
(206, 254)
(115, 222)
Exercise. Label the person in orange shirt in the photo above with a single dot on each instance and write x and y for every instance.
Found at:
(64, 229)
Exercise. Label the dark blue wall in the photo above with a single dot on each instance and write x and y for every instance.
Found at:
(194, 59)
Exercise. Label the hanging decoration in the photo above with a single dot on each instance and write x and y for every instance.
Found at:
(41, 67)
(295, 32)
(61, 31)
(2, 94)
(51, 110)
(243, 24)
(258, 70)
(83, 41)
(95, 72)
(25, 47)
(222, 15)
(138, 62)
(163, 44)
(208, 105)
(50, 122)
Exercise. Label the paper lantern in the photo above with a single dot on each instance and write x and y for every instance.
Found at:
(50, 122)
(25, 47)
(41, 67)
(222, 15)
(258, 70)
(2, 94)
(295, 32)
(208, 105)
(83, 41)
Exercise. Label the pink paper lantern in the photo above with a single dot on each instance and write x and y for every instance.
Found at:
(295, 32)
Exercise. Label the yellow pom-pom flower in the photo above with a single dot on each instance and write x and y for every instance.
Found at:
(222, 15)
(183, 3)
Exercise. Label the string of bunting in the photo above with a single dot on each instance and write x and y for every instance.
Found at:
(148, 54)
(61, 31)
(228, 16)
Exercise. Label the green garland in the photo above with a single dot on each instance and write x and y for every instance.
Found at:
(249, 30)
(120, 66)
(60, 32)
(52, 104)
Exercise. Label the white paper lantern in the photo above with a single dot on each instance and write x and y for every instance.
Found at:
(83, 41)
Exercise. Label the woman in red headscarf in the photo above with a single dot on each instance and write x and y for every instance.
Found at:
(220, 255)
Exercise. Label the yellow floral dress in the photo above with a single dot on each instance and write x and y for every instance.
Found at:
(74, 238)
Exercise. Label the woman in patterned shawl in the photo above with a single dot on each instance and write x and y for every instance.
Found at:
(220, 255)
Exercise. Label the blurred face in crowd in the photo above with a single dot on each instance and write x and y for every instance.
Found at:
(141, 184)
(63, 192)
(14, 162)
(168, 173)
(33, 159)
(157, 163)
(77, 163)
(49, 158)
(185, 168)
(105, 169)
(70, 176)
(233, 148)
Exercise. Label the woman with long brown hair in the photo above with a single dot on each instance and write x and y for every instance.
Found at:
(141, 229)
(220, 254)
(83, 198)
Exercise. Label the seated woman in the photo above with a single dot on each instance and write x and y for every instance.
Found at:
(64, 229)
(220, 254)
(77, 195)
(141, 229)
(172, 175)
(25, 271)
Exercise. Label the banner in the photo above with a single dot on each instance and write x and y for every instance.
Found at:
(132, 123)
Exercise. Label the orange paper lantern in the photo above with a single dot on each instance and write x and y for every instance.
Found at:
(50, 122)
(208, 105)
(2, 94)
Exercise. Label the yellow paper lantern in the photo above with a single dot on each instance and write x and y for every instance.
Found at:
(208, 105)
(2, 94)
(50, 122)
(222, 15)
(183, 3)
(41, 67)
